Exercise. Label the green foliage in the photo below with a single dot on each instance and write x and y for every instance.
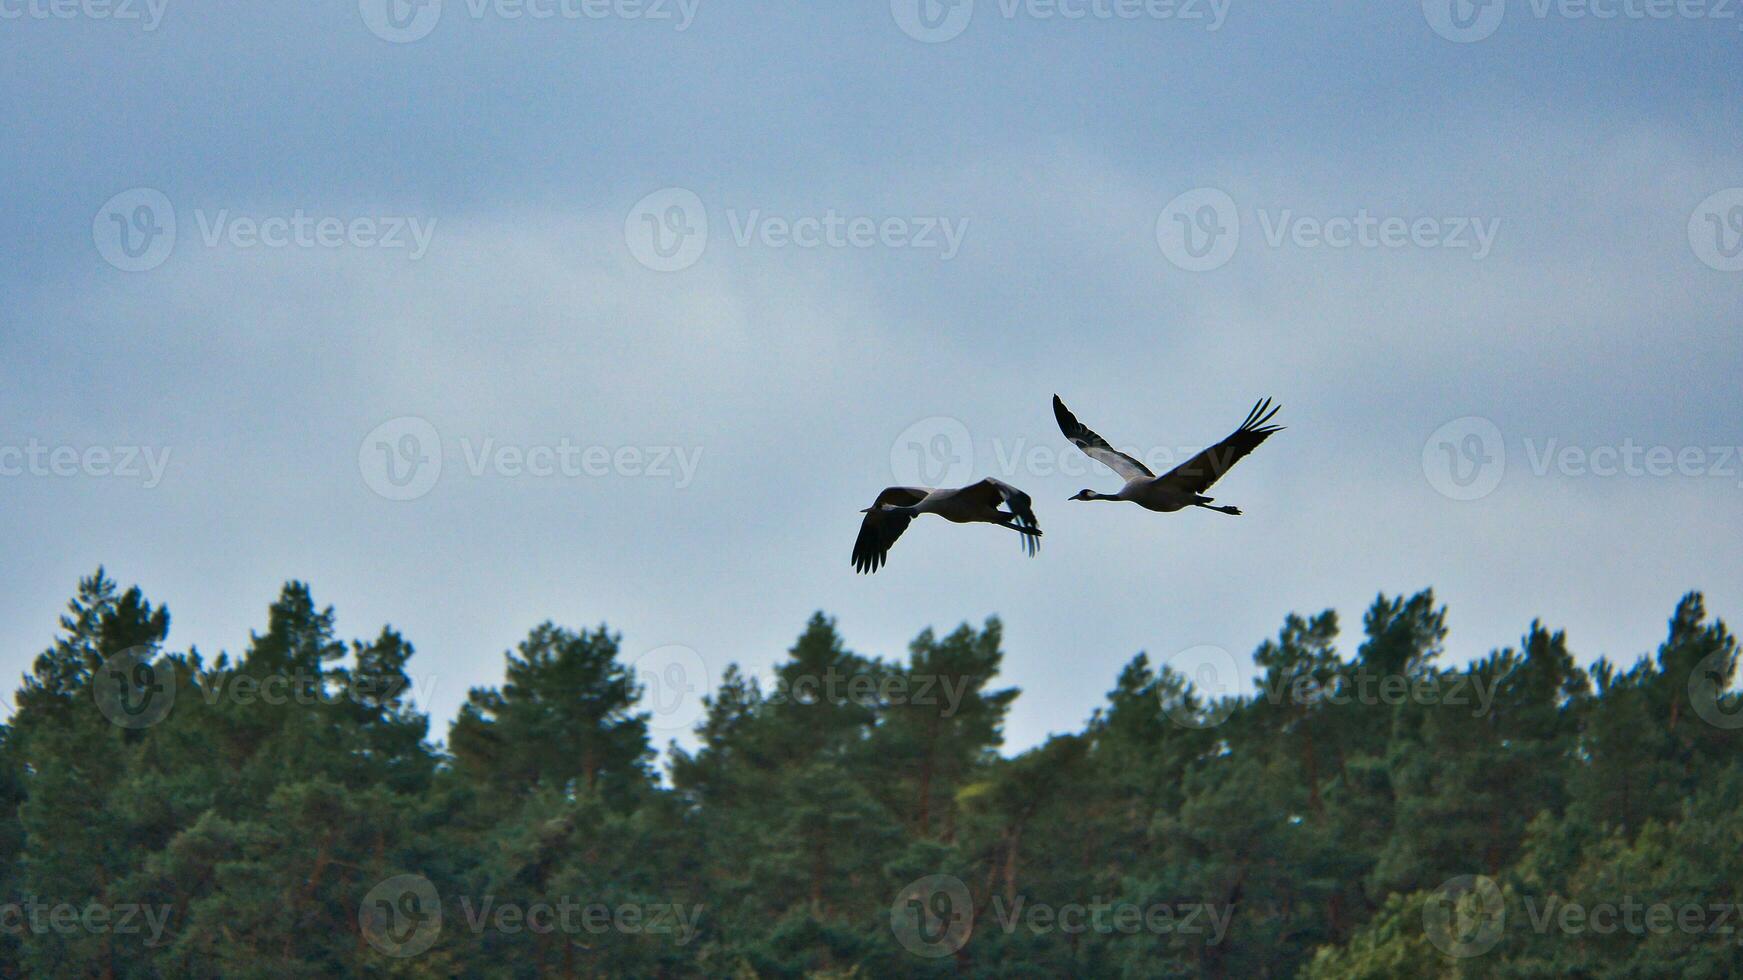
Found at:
(1377, 815)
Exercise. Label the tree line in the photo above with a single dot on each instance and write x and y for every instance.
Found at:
(1365, 812)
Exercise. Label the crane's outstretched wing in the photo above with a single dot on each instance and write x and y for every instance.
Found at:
(1198, 473)
(1097, 448)
(996, 492)
(880, 529)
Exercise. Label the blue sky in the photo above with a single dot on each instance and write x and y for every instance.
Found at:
(1602, 314)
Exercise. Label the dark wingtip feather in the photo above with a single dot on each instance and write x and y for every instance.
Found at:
(1262, 413)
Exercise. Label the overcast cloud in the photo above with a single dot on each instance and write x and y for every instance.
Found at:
(910, 247)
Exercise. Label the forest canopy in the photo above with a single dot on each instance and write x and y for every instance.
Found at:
(1365, 811)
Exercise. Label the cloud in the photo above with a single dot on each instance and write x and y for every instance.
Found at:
(794, 371)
